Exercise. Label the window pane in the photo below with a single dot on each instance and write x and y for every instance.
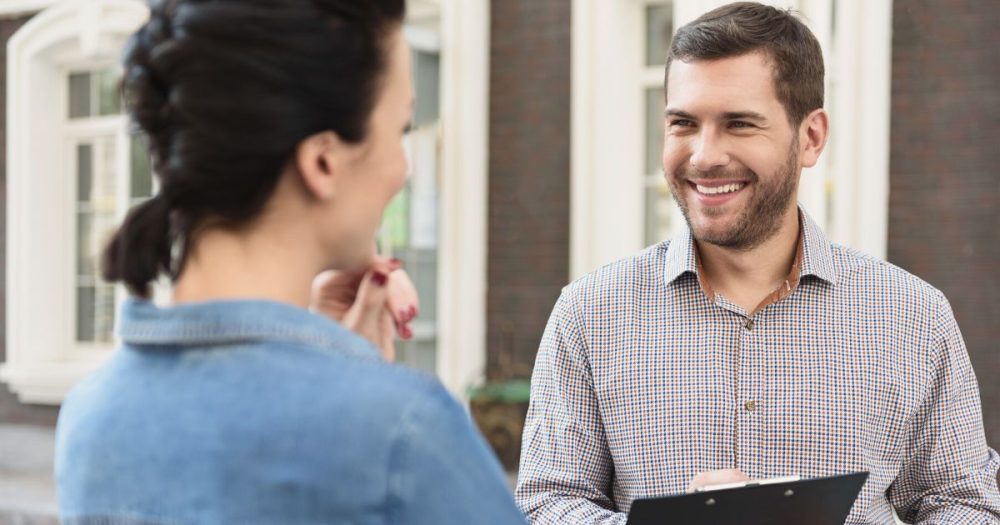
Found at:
(659, 212)
(84, 171)
(427, 73)
(95, 313)
(420, 354)
(654, 130)
(85, 313)
(79, 95)
(104, 314)
(105, 179)
(421, 264)
(95, 302)
(659, 28)
(97, 208)
(85, 260)
(396, 221)
(141, 183)
(109, 99)
(92, 232)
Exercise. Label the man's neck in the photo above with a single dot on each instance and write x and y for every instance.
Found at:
(746, 277)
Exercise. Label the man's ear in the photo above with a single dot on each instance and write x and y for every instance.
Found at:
(319, 160)
(813, 133)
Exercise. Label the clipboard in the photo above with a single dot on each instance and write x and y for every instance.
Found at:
(815, 501)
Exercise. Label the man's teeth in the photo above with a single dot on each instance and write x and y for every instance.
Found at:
(716, 190)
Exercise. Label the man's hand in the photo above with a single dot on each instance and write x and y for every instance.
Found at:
(716, 477)
(369, 302)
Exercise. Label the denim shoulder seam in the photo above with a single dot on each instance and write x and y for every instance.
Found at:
(402, 433)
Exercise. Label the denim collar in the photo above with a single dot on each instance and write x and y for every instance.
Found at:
(233, 321)
(817, 257)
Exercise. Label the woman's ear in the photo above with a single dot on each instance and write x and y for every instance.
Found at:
(319, 161)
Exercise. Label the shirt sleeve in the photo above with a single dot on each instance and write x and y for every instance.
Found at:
(566, 468)
(442, 472)
(949, 474)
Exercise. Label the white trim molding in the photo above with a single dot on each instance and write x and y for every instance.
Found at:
(465, 53)
(14, 8)
(43, 359)
(606, 210)
(859, 125)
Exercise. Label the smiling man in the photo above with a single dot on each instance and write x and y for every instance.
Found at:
(750, 345)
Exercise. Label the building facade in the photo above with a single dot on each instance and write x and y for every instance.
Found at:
(535, 160)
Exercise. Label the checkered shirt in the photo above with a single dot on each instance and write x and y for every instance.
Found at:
(642, 382)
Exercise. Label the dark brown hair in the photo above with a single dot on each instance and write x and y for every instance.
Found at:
(746, 27)
(225, 90)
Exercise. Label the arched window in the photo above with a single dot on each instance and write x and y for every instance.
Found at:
(73, 171)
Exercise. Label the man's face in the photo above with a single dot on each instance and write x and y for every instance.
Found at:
(729, 153)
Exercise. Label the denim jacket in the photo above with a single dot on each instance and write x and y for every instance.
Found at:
(260, 412)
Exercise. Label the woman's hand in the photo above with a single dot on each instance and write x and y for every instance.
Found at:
(373, 303)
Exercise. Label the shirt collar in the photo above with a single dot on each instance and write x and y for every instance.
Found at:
(233, 321)
(817, 257)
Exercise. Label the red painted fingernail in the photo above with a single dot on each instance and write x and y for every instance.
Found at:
(413, 311)
(396, 262)
(407, 333)
(402, 316)
(380, 278)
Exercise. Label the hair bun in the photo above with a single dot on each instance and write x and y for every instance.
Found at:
(147, 92)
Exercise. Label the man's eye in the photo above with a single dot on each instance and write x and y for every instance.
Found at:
(682, 123)
(739, 124)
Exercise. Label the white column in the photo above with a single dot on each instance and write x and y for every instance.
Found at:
(860, 125)
(465, 32)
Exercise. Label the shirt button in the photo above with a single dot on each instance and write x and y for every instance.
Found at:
(749, 325)
(750, 406)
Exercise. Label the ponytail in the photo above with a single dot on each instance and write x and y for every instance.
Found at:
(140, 250)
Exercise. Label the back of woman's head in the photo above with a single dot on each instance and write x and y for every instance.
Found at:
(225, 90)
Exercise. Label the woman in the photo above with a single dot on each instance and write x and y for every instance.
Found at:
(275, 129)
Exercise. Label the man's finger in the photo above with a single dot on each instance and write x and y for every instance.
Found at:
(716, 477)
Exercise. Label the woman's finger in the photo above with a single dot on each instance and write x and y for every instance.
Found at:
(333, 292)
(365, 316)
(403, 301)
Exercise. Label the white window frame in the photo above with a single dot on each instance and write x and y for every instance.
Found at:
(43, 358)
(15, 8)
(607, 207)
(112, 126)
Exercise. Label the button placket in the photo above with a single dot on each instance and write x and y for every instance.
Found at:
(748, 408)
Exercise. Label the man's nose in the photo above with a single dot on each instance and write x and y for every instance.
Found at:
(708, 152)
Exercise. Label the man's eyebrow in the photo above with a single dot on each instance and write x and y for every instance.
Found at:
(743, 115)
(678, 113)
(729, 115)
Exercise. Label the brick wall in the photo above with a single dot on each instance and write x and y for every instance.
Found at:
(10, 410)
(944, 203)
(528, 177)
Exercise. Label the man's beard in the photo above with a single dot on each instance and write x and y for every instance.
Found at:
(760, 219)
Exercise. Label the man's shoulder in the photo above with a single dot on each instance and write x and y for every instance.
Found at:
(881, 279)
(645, 268)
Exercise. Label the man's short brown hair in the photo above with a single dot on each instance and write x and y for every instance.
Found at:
(746, 27)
